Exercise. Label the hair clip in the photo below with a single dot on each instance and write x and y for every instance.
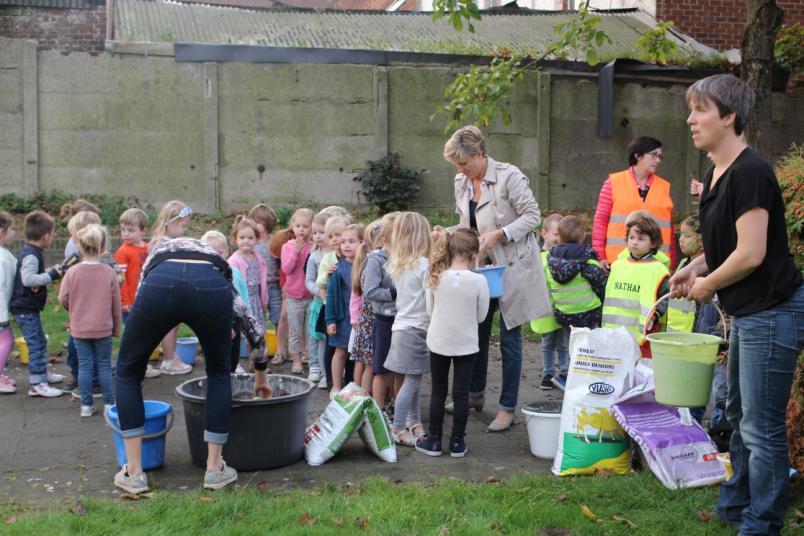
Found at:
(183, 213)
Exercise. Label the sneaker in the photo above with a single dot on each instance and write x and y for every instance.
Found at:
(547, 383)
(52, 377)
(429, 445)
(240, 371)
(73, 385)
(175, 367)
(457, 447)
(322, 383)
(219, 479)
(44, 390)
(314, 375)
(560, 381)
(333, 393)
(76, 392)
(87, 411)
(152, 372)
(6, 387)
(132, 484)
(9, 380)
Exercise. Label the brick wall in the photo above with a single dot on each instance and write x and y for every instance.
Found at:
(718, 23)
(66, 30)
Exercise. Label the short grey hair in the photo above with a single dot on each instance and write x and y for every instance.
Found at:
(730, 95)
(464, 143)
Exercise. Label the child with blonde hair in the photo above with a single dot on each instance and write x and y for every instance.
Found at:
(293, 263)
(266, 220)
(8, 269)
(250, 265)
(409, 355)
(457, 301)
(91, 294)
(339, 292)
(329, 262)
(171, 222)
(361, 311)
(317, 341)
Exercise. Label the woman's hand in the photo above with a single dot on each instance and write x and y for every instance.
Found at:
(331, 329)
(261, 388)
(488, 240)
(701, 291)
(682, 281)
(696, 188)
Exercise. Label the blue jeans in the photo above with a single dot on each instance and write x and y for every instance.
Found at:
(555, 348)
(31, 327)
(72, 362)
(274, 303)
(95, 355)
(511, 348)
(763, 351)
(173, 293)
(720, 390)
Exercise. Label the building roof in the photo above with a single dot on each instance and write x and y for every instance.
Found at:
(165, 21)
(60, 4)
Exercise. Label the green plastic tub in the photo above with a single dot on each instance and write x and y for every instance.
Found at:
(683, 366)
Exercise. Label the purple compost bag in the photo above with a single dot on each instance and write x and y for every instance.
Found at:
(676, 448)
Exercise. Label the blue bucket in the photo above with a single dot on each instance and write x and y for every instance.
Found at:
(158, 420)
(185, 349)
(494, 278)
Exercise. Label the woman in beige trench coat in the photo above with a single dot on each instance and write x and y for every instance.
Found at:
(495, 199)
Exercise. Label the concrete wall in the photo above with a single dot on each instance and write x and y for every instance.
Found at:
(224, 136)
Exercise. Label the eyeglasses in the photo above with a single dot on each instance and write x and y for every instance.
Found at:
(656, 155)
(183, 213)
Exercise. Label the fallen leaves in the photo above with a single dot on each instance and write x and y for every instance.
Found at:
(305, 519)
(587, 512)
(493, 480)
(10, 520)
(560, 497)
(206, 499)
(622, 520)
(136, 496)
(361, 522)
(704, 516)
(79, 509)
(261, 486)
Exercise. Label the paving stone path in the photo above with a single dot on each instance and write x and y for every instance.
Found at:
(49, 454)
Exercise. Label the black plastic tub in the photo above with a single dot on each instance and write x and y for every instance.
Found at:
(263, 434)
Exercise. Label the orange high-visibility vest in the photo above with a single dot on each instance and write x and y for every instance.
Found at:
(626, 199)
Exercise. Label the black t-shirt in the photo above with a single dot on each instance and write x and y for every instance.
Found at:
(748, 183)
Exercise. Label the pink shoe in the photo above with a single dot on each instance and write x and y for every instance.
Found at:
(9, 380)
(6, 387)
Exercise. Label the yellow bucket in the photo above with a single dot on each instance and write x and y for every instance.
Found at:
(270, 341)
(725, 460)
(23, 349)
(154, 355)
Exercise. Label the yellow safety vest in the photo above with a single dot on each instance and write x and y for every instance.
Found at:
(659, 256)
(631, 292)
(681, 312)
(545, 324)
(575, 296)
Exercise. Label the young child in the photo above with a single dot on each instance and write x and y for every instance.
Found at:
(172, 222)
(279, 239)
(29, 297)
(91, 293)
(379, 290)
(317, 341)
(329, 262)
(250, 265)
(68, 210)
(361, 311)
(8, 268)
(577, 286)
(409, 355)
(551, 332)
(131, 255)
(681, 313)
(293, 263)
(265, 218)
(457, 301)
(636, 283)
(339, 292)
(219, 243)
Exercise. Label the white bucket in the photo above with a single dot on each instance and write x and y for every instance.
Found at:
(543, 420)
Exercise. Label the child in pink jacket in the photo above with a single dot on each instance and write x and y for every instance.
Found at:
(293, 264)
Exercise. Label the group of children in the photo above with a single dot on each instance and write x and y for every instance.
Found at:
(380, 305)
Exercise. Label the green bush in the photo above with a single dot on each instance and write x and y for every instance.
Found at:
(388, 185)
(111, 206)
(790, 173)
(788, 51)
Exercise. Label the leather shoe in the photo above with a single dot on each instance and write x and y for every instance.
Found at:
(502, 421)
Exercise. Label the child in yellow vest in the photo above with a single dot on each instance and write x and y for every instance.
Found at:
(637, 282)
(682, 313)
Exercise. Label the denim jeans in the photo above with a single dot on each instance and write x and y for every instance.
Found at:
(95, 355)
(274, 302)
(72, 362)
(31, 327)
(720, 390)
(763, 351)
(511, 348)
(173, 293)
(555, 349)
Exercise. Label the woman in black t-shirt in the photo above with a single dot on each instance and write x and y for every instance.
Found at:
(750, 267)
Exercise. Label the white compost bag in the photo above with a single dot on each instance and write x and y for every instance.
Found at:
(674, 446)
(601, 369)
(376, 433)
(343, 415)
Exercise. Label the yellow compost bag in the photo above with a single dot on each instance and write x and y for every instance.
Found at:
(601, 369)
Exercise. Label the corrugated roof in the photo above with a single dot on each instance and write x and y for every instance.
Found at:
(166, 21)
(63, 4)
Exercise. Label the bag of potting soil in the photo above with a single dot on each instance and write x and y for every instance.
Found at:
(344, 414)
(674, 446)
(601, 369)
(376, 433)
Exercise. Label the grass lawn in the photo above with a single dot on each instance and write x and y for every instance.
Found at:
(636, 503)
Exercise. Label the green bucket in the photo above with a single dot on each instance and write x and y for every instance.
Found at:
(683, 366)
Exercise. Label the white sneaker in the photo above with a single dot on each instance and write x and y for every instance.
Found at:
(175, 367)
(314, 376)
(152, 372)
(322, 384)
(9, 380)
(132, 484)
(6, 387)
(52, 377)
(44, 390)
(240, 371)
(87, 411)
